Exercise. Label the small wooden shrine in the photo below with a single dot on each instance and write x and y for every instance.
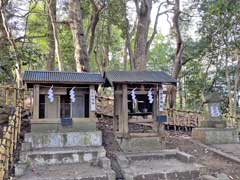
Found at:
(62, 98)
(138, 99)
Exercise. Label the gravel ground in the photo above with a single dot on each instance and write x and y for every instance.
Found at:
(214, 163)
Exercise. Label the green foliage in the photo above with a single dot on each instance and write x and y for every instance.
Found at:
(160, 54)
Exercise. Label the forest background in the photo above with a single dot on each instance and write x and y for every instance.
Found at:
(196, 41)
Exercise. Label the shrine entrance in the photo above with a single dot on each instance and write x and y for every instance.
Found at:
(138, 101)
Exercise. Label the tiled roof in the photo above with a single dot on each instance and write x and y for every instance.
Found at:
(138, 77)
(54, 77)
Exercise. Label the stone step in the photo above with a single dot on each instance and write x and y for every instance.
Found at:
(68, 172)
(49, 156)
(68, 139)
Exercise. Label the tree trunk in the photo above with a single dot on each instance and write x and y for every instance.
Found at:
(81, 55)
(179, 51)
(228, 87)
(236, 82)
(56, 40)
(51, 41)
(12, 43)
(143, 13)
(180, 93)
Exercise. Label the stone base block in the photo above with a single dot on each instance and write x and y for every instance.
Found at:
(213, 124)
(164, 165)
(54, 125)
(216, 135)
(141, 144)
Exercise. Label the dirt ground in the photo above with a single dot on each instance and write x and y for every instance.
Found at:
(214, 163)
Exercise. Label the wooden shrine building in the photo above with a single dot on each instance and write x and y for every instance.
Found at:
(62, 99)
(138, 101)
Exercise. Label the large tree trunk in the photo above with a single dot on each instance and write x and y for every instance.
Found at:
(228, 80)
(51, 42)
(236, 86)
(55, 34)
(143, 12)
(179, 51)
(11, 40)
(79, 38)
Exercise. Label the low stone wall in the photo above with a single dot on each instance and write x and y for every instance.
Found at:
(216, 135)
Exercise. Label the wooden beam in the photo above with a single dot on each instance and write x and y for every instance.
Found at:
(35, 101)
(129, 92)
(144, 134)
(140, 121)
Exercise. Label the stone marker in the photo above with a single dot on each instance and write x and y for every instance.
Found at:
(213, 116)
(213, 130)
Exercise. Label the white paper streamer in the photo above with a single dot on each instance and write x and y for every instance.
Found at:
(50, 94)
(72, 95)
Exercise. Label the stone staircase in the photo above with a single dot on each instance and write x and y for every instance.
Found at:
(65, 156)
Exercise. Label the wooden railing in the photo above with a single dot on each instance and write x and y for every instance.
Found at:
(176, 117)
(183, 118)
(10, 137)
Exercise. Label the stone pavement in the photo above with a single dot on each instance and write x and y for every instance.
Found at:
(231, 149)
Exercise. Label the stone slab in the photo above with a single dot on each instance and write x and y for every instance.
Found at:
(231, 149)
(68, 139)
(68, 172)
(216, 135)
(161, 165)
(50, 156)
(213, 124)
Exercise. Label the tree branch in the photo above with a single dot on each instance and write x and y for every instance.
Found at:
(149, 42)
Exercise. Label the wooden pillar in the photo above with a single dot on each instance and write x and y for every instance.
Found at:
(120, 111)
(92, 109)
(116, 111)
(36, 102)
(125, 109)
(155, 109)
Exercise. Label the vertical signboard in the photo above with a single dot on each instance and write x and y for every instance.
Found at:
(160, 100)
(92, 100)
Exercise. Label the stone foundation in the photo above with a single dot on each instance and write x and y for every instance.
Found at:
(139, 144)
(216, 135)
(52, 154)
(157, 165)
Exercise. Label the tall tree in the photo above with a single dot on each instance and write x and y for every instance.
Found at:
(51, 8)
(143, 13)
(179, 51)
(81, 55)
(12, 42)
(51, 41)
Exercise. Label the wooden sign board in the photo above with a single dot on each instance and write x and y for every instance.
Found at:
(161, 100)
(92, 100)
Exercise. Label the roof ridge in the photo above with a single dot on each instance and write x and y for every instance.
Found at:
(45, 71)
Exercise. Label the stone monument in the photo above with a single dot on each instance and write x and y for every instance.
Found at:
(213, 115)
(213, 129)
